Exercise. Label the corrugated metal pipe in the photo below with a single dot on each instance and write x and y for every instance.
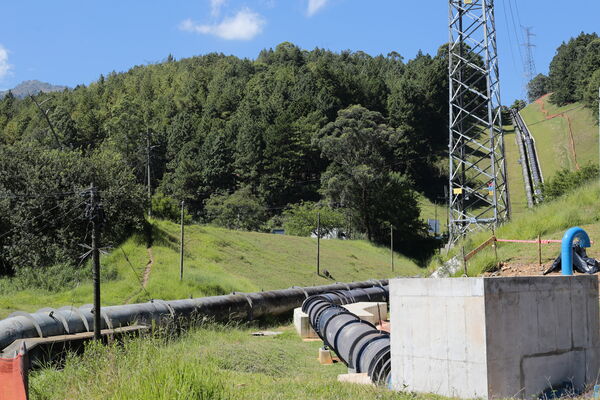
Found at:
(358, 344)
(70, 320)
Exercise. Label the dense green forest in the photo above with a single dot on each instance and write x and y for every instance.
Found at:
(574, 73)
(241, 141)
(247, 144)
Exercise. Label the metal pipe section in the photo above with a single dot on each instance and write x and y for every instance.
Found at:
(531, 154)
(69, 320)
(524, 168)
(359, 344)
(566, 251)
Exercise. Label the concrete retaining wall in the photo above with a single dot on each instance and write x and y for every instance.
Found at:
(494, 337)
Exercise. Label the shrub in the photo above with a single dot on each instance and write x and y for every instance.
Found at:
(166, 207)
(301, 219)
(566, 181)
(239, 210)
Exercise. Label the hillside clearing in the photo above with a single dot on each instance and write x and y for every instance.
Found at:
(217, 261)
(550, 127)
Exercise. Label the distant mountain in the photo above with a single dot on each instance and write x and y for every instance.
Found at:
(26, 88)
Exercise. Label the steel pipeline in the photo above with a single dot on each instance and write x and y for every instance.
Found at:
(359, 344)
(69, 320)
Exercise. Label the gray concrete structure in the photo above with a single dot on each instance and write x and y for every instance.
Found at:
(494, 337)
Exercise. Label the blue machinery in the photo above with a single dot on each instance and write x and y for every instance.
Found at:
(566, 250)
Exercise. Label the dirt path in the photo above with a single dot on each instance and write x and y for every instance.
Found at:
(145, 277)
(540, 103)
(148, 268)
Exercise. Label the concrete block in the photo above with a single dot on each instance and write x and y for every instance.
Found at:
(325, 357)
(302, 325)
(361, 379)
(494, 337)
(368, 311)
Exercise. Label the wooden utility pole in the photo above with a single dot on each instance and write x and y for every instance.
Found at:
(464, 258)
(318, 243)
(181, 246)
(392, 245)
(148, 173)
(94, 217)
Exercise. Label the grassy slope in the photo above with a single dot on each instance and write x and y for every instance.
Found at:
(580, 208)
(553, 144)
(219, 363)
(518, 200)
(552, 136)
(217, 261)
(431, 210)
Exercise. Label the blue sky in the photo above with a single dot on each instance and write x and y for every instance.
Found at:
(70, 42)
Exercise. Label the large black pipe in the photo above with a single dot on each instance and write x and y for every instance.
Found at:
(359, 344)
(69, 320)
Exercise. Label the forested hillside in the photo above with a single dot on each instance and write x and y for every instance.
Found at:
(574, 73)
(239, 140)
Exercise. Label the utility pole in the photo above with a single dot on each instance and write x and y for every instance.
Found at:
(392, 245)
(148, 172)
(94, 214)
(599, 126)
(318, 243)
(181, 246)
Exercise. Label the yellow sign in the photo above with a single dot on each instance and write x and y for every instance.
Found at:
(457, 190)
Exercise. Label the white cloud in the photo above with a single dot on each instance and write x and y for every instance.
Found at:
(244, 25)
(314, 6)
(215, 7)
(5, 67)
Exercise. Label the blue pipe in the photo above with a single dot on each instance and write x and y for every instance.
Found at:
(567, 247)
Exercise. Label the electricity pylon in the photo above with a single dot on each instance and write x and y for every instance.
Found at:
(478, 195)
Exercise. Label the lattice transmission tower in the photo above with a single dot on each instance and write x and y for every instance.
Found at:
(528, 61)
(478, 195)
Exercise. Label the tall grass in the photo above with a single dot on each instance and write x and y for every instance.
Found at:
(216, 261)
(211, 362)
(579, 208)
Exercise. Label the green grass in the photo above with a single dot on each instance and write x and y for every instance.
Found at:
(552, 143)
(211, 362)
(518, 199)
(552, 136)
(431, 210)
(550, 220)
(217, 261)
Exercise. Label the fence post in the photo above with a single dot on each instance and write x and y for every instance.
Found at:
(464, 261)
(539, 250)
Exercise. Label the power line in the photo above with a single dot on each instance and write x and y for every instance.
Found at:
(63, 215)
(136, 274)
(512, 53)
(515, 31)
(31, 220)
(37, 195)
